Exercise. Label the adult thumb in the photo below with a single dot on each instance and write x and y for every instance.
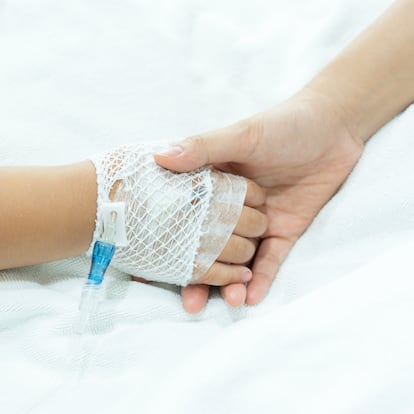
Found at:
(234, 143)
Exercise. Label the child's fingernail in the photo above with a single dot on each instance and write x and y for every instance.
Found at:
(247, 275)
(173, 151)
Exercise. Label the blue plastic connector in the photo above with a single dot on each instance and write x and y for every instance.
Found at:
(101, 257)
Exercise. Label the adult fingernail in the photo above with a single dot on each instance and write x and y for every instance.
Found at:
(173, 151)
(246, 276)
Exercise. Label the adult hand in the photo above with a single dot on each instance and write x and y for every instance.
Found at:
(300, 152)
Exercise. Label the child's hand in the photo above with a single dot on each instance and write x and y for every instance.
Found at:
(231, 265)
(195, 227)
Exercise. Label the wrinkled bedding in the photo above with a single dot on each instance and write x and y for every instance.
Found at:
(335, 333)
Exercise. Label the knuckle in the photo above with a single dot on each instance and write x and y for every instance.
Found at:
(197, 141)
(251, 129)
(199, 150)
(267, 277)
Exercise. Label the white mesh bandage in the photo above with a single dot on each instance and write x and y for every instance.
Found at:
(176, 224)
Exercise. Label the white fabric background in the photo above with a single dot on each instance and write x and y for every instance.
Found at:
(334, 334)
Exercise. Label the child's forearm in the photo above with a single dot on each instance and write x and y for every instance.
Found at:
(372, 80)
(46, 213)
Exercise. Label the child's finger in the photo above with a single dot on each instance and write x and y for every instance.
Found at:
(194, 297)
(252, 223)
(238, 250)
(234, 294)
(255, 195)
(222, 274)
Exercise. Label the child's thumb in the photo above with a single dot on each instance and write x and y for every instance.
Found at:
(230, 144)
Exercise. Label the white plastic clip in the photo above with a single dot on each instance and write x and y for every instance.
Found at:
(114, 228)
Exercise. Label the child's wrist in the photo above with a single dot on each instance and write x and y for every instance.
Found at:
(82, 189)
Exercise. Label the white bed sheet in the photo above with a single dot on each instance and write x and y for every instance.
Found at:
(334, 334)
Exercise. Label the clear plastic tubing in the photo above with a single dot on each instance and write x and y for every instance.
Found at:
(101, 257)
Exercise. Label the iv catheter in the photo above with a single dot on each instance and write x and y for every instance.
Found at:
(113, 235)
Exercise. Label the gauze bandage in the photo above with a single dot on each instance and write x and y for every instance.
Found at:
(176, 225)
